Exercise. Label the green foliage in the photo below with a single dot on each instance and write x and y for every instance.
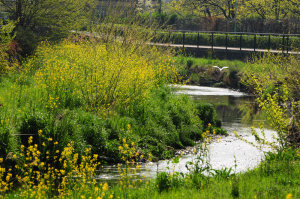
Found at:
(40, 20)
(30, 125)
(277, 89)
(208, 115)
(235, 188)
(27, 39)
(164, 181)
(223, 173)
(6, 38)
(7, 141)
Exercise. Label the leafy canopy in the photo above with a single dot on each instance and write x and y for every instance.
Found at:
(55, 14)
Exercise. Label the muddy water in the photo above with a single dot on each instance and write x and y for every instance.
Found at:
(238, 113)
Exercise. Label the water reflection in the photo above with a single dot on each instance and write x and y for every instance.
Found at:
(232, 106)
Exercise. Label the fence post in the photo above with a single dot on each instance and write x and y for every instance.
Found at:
(254, 42)
(241, 42)
(287, 44)
(198, 40)
(212, 40)
(183, 37)
(283, 43)
(169, 38)
(269, 47)
(226, 41)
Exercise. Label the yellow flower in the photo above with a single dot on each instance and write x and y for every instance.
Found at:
(50, 139)
(105, 187)
(40, 132)
(289, 196)
(111, 196)
(30, 139)
(55, 143)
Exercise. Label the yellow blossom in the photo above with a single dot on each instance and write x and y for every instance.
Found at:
(289, 196)
(105, 187)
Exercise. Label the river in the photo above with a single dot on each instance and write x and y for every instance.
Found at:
(238, 113)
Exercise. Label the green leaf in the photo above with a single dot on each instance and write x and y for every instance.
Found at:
(175, 160)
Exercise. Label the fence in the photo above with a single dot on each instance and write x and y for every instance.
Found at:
(284, 43)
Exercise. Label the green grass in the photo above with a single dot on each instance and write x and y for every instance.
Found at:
(200, 71)
(203, 62)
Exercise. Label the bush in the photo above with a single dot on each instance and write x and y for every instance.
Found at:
(208, 115)
(30, 125)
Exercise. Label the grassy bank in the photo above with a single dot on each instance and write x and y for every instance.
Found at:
(72, 100)
(200, 71)
(276, 177)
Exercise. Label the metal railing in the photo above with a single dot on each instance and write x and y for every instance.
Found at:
(273, 42)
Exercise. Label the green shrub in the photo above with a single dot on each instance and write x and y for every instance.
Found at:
(30, 125)
(208, 115)
(6, 141)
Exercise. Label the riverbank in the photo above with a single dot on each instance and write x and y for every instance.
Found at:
(66, 103)
(208, 72)
(276, 177)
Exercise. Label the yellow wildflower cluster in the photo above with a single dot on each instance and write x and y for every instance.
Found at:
(101, 78)
(61, 172)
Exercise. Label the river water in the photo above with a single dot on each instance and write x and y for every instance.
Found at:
(238, 113)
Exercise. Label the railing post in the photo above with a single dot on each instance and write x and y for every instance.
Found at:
(269, 46)
(254, 42)
(183, 37)
(198, 40)
(212, 40)
(287, 44)
(241, 42)
(169, 37)
(283, 43)
(226, 41)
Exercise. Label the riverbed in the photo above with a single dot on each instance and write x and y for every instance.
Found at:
(238, 113)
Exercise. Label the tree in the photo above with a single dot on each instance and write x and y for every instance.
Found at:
(207, 7)
(6, 37)
(266, 9)
(225, 7)
(47, 18)
(185, 8)
(143, 5)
